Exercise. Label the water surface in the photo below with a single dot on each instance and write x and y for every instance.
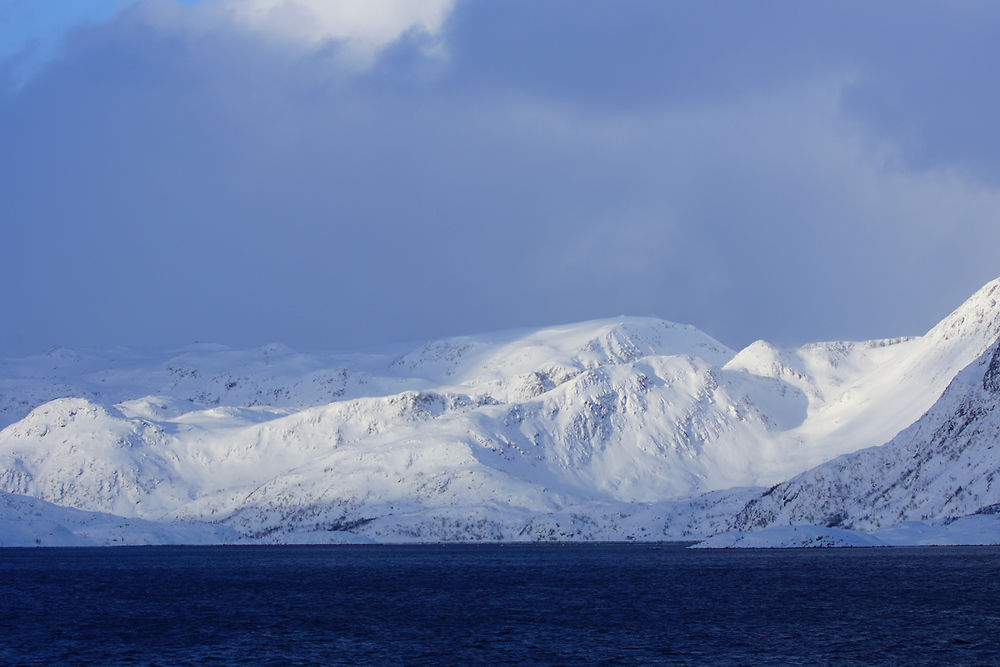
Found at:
(608, 603)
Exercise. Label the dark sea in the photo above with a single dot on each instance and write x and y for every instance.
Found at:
(538, 604)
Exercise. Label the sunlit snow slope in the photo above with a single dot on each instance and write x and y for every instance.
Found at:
(594, 430)
(945, 466)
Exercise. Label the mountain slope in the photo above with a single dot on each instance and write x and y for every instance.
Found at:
(863, 394)
(945, 466)
(29, 522)
(514, 434)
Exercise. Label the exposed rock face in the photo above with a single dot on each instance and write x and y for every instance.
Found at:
(991, 380)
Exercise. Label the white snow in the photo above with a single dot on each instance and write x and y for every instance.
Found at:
(980, 529)
(790, 537)
(29, 522)
(943, 467)
(609, 429)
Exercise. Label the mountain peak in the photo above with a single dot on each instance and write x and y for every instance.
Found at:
(978, 317)
(495, 429)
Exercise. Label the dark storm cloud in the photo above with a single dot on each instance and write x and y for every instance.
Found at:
(739, 169)
(925, 70)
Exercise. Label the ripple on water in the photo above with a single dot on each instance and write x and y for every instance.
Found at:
(608, 603)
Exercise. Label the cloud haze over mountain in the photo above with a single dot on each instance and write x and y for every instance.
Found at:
(333, 178)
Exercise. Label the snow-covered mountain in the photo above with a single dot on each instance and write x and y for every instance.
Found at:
(599, 430)
(943, 467)
(29, 522)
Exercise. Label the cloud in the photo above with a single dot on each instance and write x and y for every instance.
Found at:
(31, 33)
(176, 177)
(364, 28)
(772, 215)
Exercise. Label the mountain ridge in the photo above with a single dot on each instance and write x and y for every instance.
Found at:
(630, 419)
(943, 467)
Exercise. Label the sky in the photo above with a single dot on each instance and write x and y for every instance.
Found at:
(337, 174)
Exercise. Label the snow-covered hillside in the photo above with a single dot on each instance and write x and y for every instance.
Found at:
(978, 529)
(29, 522)
(945, 466)
(863, 394)
(599, 430)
